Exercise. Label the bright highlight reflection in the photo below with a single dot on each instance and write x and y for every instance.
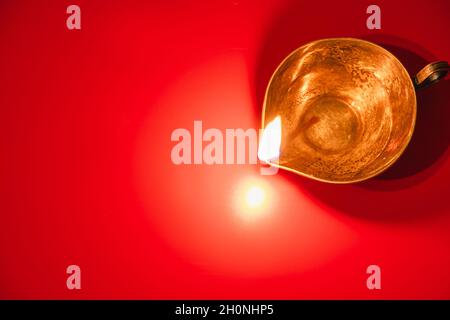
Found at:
(253, 199)
(269, 146)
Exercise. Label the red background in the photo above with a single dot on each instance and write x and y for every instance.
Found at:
(86, 175)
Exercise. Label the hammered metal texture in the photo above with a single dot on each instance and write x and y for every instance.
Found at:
(347, 109)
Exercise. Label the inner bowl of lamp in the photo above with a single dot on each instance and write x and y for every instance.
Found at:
(347, 109)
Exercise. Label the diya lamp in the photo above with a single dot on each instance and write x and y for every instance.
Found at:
(346, 109)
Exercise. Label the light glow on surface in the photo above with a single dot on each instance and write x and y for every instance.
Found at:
(254, 198)
(269, 146)
(201, 213)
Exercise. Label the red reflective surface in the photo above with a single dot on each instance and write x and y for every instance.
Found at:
(87, 179)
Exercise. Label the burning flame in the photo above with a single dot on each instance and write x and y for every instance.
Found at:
(269, 145)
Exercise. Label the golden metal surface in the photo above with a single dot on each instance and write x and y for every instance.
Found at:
(347, 109)
(431, 73)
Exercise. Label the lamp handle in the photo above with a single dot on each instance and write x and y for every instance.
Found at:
(430, 74)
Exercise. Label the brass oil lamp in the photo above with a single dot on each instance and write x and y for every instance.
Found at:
(346, 109)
